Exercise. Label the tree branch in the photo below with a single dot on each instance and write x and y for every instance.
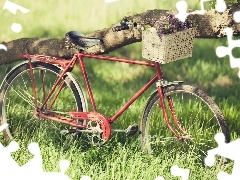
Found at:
(211, 25)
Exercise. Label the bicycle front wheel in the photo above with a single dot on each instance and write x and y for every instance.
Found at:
(17, 106)
(197, 114)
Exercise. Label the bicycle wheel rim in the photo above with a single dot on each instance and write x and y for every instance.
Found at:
(198, 115)
(18, 101)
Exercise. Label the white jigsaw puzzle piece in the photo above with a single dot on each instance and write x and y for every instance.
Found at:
(87, 178)
(220, 6)
(2, 46)
(236, 16)
(227, 150)
(177, 171)
(54, 175)
(222, 51)
(182, 8)
(159, 178)
(7, 164)
(35, 162)
(5, 125)
(16, 27)
(64, 164)
(12, 7)
(225, 176)
(202, 11)
(10, 169)
(5, 154)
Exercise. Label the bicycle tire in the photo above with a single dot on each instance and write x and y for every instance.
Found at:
(23, 95)
(171, 145)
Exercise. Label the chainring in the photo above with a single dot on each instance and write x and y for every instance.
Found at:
(100, 131)
(95, 138)
(97, 130)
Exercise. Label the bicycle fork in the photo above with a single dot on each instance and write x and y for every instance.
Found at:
(160, 85)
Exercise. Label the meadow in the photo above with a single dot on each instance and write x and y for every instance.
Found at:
(122, 157)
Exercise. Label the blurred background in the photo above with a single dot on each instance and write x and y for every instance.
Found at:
(53, 18)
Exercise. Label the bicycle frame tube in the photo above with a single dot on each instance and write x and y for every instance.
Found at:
(158, 76)
(65, 69)
(33, 83)
(109, 58)
(139, 93)
(68, 65)
(161, 98)
(58, 81)
(125, 60)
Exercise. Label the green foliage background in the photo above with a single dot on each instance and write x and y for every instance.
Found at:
(115, 161)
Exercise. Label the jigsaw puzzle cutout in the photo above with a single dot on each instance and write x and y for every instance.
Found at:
(12, 7)
(222, 51)
(2, 46)
(26, 171)
(177, 171)
(10, 169)
(3, 126)
(236, 16)
(229, 151)
(16, 27)
(182, 8)
(85, 178)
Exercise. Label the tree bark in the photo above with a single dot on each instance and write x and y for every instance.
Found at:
(210, 25)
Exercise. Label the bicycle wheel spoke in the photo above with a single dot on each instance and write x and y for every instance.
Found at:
(194, 123)
(22, 97)
(18, 107)
(196, 113)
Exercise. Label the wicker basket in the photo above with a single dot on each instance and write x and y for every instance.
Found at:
(170, 48)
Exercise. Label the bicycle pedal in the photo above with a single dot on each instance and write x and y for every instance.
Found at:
(67, 131)
(132, 129)
(74, 137)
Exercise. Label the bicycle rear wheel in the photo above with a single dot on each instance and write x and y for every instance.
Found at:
(17, 106)
(196, 112)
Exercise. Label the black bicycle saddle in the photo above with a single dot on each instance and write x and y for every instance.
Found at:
(80, 40)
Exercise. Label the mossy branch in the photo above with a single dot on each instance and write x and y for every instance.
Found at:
(210, 25)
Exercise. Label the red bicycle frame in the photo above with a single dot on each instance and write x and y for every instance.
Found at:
(67, 66)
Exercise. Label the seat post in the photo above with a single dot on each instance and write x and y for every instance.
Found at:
(158, 70)
(89, 90)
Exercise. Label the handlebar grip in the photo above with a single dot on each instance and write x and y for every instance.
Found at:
(120, 28)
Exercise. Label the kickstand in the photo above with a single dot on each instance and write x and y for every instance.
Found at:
(74, 137)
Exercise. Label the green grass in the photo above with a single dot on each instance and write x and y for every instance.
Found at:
(113, 84)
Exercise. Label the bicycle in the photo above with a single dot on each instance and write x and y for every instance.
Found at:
(43, 88)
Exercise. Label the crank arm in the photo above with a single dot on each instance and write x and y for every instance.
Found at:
(118, 130)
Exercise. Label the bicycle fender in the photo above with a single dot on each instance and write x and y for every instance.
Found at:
(69, 74)
(164, 85)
